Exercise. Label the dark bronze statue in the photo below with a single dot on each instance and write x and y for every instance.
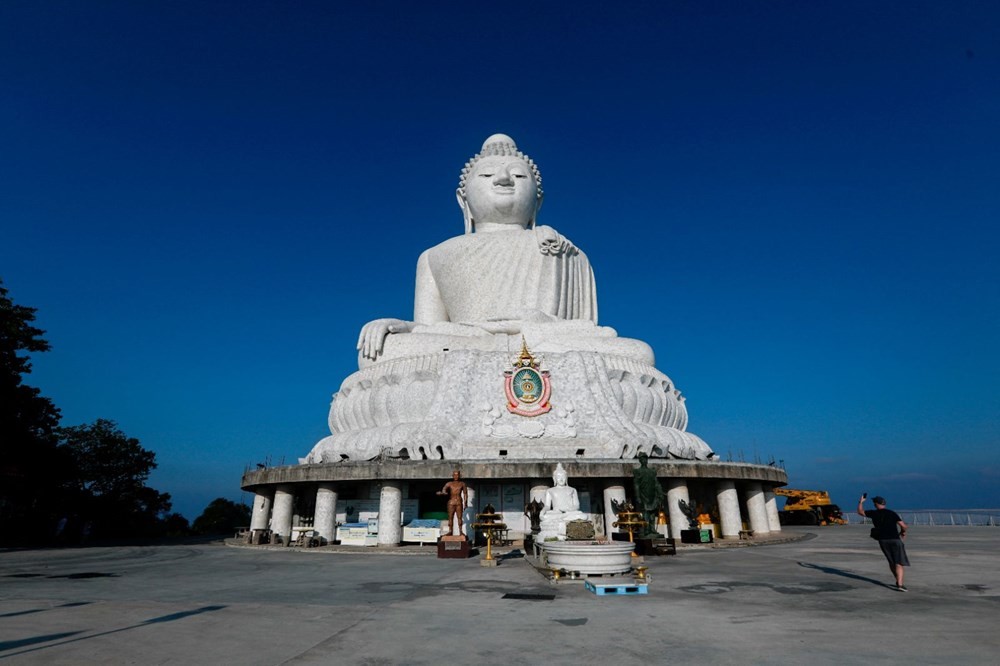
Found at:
(619, 507)
(533, 511)
(458, 499)
(648, 493)
(690, 512)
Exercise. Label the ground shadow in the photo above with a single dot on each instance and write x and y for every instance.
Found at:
(845, 574)
(183, 614)
(42, 610)
(24, 642)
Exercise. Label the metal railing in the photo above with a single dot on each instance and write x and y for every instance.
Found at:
(956, 517)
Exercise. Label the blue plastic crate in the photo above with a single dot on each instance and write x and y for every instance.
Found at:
(617, 589)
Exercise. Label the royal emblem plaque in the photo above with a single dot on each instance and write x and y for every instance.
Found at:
(527, 386)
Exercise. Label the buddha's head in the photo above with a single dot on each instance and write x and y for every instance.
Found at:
(559, 475)
(500, 187)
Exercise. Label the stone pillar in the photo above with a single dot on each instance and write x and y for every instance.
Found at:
(677, 490)
(261, 509)
(325, 518)
(755, 509)
(616, 493)
(281, 516)
(538, 493)
(730, 523)
(771, 507)
(390, 503)
(468, 514)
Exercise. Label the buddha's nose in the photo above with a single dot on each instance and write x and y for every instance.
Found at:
(503, 177)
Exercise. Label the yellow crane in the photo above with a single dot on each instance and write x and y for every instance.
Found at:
(808, 507)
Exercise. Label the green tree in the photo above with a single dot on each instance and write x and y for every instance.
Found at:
(111, 474)
(222, 516)
(91, 473)
(175, 524)
(33, 474)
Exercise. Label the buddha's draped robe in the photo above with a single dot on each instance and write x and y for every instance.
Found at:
(497, 276)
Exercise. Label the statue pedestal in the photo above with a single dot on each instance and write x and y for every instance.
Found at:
(454, 547)
(655, 546)
(696, 536)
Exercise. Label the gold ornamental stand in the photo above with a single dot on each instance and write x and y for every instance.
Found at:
(630, 521)
(491, 527)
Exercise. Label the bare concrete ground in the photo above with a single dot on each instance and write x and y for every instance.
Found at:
(822, 600)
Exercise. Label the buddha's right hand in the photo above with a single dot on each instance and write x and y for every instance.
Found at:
(372, 336)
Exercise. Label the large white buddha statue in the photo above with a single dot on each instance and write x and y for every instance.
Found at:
(560, 506)
(504, 275)
(434, 387)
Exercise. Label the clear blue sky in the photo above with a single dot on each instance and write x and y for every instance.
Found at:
(795, 204)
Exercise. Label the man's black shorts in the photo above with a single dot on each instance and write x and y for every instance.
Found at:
(894, 551)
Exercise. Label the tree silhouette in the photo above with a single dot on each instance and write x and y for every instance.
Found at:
(111, 474)
(60, 483)
(222, 516)
(33, 473)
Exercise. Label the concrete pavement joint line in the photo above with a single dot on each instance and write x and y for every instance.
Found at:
(729, 586)
(332, 636)
(415, 590)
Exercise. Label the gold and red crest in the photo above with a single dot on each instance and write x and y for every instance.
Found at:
(527, 387)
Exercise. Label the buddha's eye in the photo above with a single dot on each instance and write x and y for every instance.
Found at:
(485, 175)
(519, 175)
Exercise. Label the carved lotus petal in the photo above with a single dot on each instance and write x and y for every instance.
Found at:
(531, 429)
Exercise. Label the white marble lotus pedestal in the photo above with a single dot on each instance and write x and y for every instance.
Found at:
(452, 406)
(589, 557)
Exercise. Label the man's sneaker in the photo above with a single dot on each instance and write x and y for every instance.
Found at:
(901, 588)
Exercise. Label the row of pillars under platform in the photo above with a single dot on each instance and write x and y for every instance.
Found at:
(273, 509)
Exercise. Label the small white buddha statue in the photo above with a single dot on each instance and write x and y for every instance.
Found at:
(561, 505)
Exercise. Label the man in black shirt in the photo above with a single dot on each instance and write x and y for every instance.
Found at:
(890, 530)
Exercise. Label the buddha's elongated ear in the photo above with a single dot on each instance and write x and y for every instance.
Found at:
(538, 207)
(470, 225)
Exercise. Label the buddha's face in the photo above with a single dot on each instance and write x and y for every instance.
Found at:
(559, 478)
(501, 190)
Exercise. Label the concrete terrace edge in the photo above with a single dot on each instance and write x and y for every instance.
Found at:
(774, 539)
(501, 469)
